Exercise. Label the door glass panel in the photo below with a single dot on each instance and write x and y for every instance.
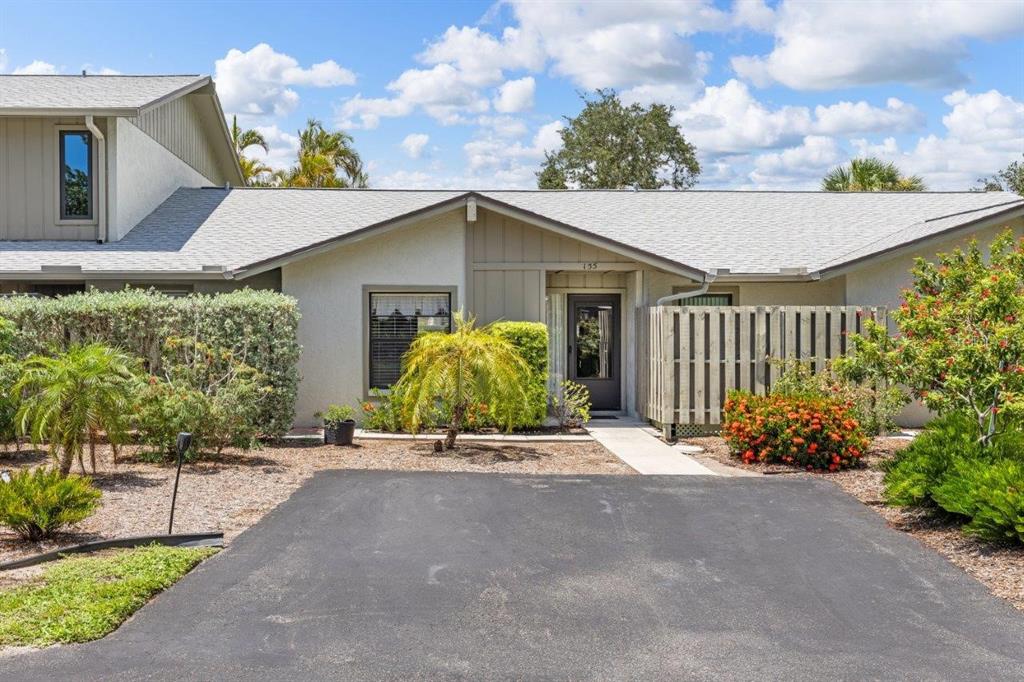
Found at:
(593, 341)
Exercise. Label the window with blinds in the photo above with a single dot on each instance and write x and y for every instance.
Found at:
(395, 320)
(708, 299)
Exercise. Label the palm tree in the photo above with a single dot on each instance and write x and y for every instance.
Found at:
(322, 156)
(242, 140)
(466, 367)
(870, 175)
(69, 399)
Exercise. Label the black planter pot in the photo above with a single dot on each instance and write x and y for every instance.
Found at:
(346, 432)
(330, 434)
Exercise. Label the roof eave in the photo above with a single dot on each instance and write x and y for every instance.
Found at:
(69, 111)
(1014, 211)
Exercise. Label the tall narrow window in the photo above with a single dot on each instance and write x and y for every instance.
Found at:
(395, 320)
(76, 175)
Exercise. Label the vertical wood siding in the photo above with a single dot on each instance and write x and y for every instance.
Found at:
(696, 354)
(179, 127)
(502, 291)
(28, 180)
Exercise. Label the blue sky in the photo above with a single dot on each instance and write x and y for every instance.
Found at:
(471, 93)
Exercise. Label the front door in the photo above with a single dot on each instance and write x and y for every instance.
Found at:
(594, 355)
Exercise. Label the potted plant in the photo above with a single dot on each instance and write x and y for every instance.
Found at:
(339, 426)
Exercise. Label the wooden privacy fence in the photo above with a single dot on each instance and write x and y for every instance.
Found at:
(695, 355)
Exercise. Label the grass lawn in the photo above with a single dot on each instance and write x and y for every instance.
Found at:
(83, 598)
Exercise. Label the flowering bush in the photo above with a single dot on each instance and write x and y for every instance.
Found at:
(812, 432)
(961, 341)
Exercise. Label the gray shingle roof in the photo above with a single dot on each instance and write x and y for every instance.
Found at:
(744, 232)
(82, 93)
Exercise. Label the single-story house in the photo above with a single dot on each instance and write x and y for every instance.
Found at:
(148, 196)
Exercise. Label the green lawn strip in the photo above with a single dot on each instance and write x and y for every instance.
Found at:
(84, 598)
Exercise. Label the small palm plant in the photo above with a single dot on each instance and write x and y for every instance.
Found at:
(870, 175)
(67, 400)
(466, 367)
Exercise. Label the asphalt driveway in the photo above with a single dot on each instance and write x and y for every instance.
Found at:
(380, 575)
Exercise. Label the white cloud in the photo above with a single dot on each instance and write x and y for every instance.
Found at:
(360, 112)
(826, 45)
(753, 14)
(414, 143)
(851, 117)
(284, 147)
(36, 68)
(729, 119)
(803, 165)
(984, 132)
(481, 57)
(441, 91)
(258, 83)
(988, 117)
(515, 95)
(621, 45)
(503, 126)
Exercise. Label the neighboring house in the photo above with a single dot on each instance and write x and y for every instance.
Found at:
(371, 268)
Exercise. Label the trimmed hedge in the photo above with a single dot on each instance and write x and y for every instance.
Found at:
(258, 327)
(531, 340)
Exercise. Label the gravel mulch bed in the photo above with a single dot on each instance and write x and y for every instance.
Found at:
(234, 491)
(1000, 568)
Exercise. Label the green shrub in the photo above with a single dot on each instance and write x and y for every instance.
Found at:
(257, 327)
(990, 494)
(205, 391)
(916, 470)
(572, 409)
(37, 503)
(949, 466)
(873, 403)
(807, 431)
(530, 339)
(335, 415)
(383, 411)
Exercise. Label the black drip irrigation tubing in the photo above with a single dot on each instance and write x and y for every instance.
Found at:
(178, 540)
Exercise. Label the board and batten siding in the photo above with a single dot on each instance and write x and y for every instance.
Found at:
(179, 127)
(28, 179)
(513, 263)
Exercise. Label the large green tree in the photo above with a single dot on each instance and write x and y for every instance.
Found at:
(870, 175)
(243, 139)
(1009, 179)
(613, 146)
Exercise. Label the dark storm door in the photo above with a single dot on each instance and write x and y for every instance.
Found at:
(594, 348)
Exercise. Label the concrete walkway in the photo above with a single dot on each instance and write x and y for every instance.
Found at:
(632, 442)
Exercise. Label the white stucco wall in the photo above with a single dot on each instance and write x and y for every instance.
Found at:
(143, 175)
(329, 288)
(881, 282)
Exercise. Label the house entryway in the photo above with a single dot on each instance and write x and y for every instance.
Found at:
(595, 348)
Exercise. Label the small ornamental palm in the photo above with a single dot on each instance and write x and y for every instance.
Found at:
(870, 175)
(466, 367)
(69, 399)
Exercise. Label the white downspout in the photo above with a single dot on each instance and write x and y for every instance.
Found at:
(703, 289)
(101, 188)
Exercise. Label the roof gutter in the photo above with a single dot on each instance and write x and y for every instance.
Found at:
(700, 291)
(102, 230)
